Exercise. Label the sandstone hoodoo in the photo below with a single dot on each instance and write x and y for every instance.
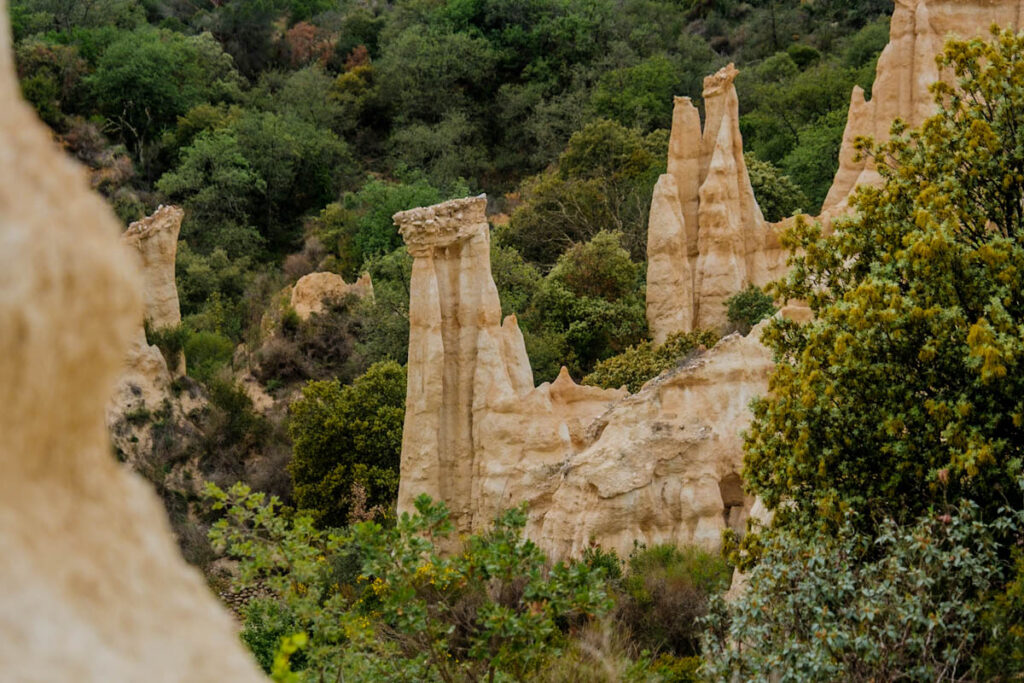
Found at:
(466, 363)
(707, 238)
(92, 586)
(144, 387)
(906, 68)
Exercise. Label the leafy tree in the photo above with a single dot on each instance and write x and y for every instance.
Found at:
(147, 78)
(593, 297)
(360, 227)
(639, 96)
(347, 436)
(749, 307)
(813, 161)
(517, 281)
(603, 181)
(777, 195)
(900, 604)
(909, 374)
(63, 15)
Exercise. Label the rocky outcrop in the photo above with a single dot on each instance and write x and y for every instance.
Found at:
(707, 238)
(152, 390)
(155, 239)
(465, 362)
(92, 587)
(663, 465)
(592, 464)
(312, 292)
(906, 68)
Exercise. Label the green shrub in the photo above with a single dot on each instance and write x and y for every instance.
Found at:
(496, 611)
(901, 604)
(639, 364)
(206, 353)
(664, 594)
(748, 308)
(170, 340)
(232, 430)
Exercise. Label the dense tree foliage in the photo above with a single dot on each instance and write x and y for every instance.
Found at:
(909, 369)
(370, 603)
(346, 437)
(890, 446)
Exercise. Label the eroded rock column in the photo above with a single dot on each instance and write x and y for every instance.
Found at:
(462, 358)
(707, 238)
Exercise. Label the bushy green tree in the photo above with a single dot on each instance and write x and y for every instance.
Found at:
(898, 604)
(593, 298)
(777, 195)
(147, 78)
(603, 181)
(346, 436)
(749, 307)
(910, 369)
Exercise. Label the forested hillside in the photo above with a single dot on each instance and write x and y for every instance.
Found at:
(291, 131)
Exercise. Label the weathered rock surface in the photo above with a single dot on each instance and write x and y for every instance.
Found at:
(464, 364)
(663, 465)
(155, 238)
(906, 68)
(92, 587)
(144, 395)
(312, 292)
(593, 464)
(707, 238)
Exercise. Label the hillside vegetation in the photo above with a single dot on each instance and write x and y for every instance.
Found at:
(292, 130)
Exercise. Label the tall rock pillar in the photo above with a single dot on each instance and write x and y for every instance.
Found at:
(706, 236)
(92, 585)
(461, 357)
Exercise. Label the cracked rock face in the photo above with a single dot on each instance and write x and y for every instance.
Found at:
(92, 587)
(707, 238)
(592, 464)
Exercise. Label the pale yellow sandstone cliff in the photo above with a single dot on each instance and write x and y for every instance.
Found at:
(144, 394)
(663, 465)
(155, 239)
(592, 464)
(92, 587)
(313, 291)
(466, 364)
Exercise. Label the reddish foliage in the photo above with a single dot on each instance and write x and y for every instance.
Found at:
(307, 43)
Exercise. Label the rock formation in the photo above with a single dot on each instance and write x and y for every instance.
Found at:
(464, 363)
(92, 587)
(906, 68)
(707, 238)
(156, 240)
(312, 292)
(665, 464)
(662, 465)
(144, 393)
